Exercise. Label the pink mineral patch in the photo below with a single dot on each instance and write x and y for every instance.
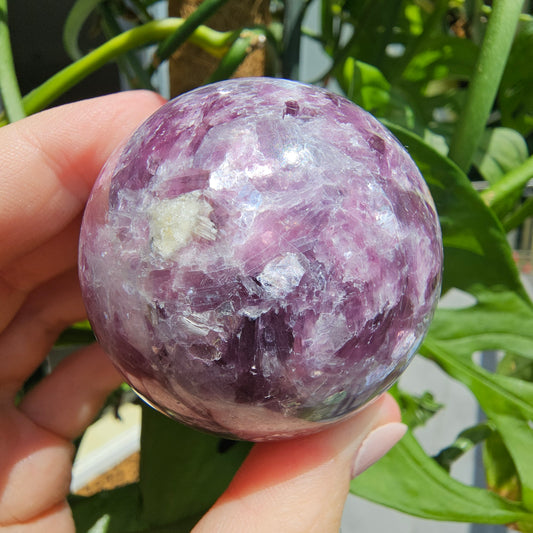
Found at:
(262, 258)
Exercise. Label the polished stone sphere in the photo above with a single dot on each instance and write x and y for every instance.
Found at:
(261, 258)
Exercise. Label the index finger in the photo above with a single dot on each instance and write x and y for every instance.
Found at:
(49, 161)
(48, 164)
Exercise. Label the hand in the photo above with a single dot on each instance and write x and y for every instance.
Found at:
(48, 164)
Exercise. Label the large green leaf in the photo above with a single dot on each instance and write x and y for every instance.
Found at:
(495, 393)
(115, 511)
(498, 321)
(516, 89)
(365, 85)
(408, 480)
(507, 402)
(183, 471)
(500, 150)
(119, 511)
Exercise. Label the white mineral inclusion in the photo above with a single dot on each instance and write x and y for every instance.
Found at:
(174, 222)
(282, 275)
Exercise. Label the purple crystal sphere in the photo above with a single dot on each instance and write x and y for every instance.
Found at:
(261, 258)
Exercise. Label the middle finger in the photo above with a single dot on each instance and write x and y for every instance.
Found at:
(31, 334)
(21, 276)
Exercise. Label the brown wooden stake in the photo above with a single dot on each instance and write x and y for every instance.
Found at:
(190, 66)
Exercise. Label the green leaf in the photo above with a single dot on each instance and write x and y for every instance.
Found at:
(114, 511)
(501, 150)
(119, 511)
(515, 96)
(416, 410)
(79, 333)
(182, 474)
(507, 402)
(374, 22)
(364, 84)
(494, 392)
(517, 434)
(477, 255)
(498, 321)
(463, 443)
(408, 480)
(443, 58)
(182, 471)
(516, 366)
(500, 471)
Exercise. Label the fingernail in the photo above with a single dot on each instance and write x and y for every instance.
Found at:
(376, 444)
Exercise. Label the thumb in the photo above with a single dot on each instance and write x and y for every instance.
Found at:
(300, 485)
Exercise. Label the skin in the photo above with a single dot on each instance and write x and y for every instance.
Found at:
(48, 164)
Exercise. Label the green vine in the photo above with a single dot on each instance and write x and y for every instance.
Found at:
(76, 17)
(129, 63)
(214, 42)
(515, 219)
(9, 88)
(508, 186)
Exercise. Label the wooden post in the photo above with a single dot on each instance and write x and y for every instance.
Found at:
(190, 66)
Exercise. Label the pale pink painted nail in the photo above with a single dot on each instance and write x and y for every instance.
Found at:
(376, 444)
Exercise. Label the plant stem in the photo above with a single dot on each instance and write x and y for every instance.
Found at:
(292, 23)
(189, 26)
(485, 81)
(130, 65)
(516, 218)
(512, 183)
(78, 14)
(213, 42)
(142, 12)
(9, 88)
(326, 23)
(248, 41)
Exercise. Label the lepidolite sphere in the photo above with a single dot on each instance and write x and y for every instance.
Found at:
(260, 259)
